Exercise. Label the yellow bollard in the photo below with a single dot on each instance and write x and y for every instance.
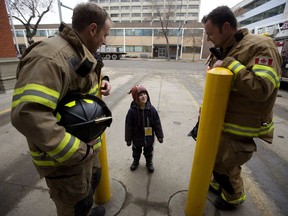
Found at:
(103, 193)
(216, 94)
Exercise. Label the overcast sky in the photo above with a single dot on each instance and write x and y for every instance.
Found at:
(53, 17)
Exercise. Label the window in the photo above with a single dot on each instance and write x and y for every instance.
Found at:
(52, 32)
(115, 15)
(41, 33)
(145, 7)
(136, 15)
(116, 32)
(136, 8)
(147, 14)
(192, 15)
(193, 6)
(114, 8)
(138, 32)
(138, 48)
(125, 8)
(269, 13)
(180, 14)
(125, 15)
(19, 33)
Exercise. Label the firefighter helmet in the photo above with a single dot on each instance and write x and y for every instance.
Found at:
(83, 115)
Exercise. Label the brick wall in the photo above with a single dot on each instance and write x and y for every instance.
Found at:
(7, 48)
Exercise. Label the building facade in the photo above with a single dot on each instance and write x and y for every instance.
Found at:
(137, 28)
(263, 16)
(268, 17)
(148, 10)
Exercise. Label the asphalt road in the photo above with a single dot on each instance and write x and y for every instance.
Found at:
(266, 174)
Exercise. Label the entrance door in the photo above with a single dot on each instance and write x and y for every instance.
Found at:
(161, 52)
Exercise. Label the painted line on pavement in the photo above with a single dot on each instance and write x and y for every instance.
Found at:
(5, 111)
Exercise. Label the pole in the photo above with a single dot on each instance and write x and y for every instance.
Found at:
(13, 28)
(216, 94)
(177, 49)
(178, 34)
(60, 11)
(103, 192)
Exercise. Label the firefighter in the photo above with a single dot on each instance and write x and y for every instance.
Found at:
(48, 71)
(256, 64)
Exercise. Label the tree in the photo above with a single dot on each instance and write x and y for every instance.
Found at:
(165, 15)
(27, 11)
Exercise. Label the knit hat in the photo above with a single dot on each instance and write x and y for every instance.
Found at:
(136, 90)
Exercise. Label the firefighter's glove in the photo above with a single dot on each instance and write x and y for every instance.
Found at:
(193, 133)
(160, 140)
(129, 143)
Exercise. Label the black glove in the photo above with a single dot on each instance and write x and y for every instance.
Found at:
(160, 140)
(129, 143)
(193, 133)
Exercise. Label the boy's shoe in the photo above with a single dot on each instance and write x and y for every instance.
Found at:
(221, 204)
(98, 211)
(134, 165)
(150, 167)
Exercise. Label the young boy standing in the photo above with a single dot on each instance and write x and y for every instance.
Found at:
(141, 125)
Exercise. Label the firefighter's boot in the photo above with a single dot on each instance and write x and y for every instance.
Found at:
(215, 187)
(222, 204)
(97, 211)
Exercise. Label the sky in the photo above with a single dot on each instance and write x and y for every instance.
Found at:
(53, 17)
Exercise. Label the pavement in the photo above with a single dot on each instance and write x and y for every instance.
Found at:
(137, 193)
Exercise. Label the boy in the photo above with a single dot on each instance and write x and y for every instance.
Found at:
(141, 125)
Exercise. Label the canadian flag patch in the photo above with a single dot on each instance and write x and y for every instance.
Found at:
(264, 61)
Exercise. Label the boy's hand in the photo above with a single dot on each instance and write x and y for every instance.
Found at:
(129, 143)
(160, 140)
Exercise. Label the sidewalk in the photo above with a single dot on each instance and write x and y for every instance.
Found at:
(135, 193)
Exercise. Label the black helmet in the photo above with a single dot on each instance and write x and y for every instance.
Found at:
(83, 115)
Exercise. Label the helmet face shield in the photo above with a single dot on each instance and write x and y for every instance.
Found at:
(84, 116)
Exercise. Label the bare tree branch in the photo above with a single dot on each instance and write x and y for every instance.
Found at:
(26, 11)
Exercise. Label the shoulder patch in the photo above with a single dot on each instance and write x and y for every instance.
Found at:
(263, 61)
(74, 62)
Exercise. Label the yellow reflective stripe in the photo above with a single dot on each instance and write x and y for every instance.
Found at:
(98, 143)
(235, 67)
(88, 101)
(94, 90)
(70, 104)
(267, 72)
(67, 147)
(247, 131)
(35, 93)
(215, 185)
(44, 162)
(236, 201)
(40, 159)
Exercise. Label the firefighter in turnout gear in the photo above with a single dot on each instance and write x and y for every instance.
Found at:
(48, 71)
(256, 64)
(141, 125)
